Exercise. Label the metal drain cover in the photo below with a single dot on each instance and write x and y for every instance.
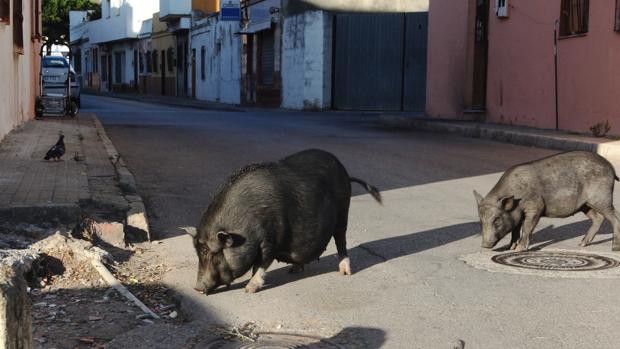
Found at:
(275, 341)
(559, 261)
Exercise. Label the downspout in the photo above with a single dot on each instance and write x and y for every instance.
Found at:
(555, 67)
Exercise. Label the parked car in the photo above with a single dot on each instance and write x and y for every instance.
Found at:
(54, 75)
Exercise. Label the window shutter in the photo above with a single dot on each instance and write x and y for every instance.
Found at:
(18, 26)
(5, 11)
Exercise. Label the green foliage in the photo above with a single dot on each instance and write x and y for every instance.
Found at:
(56, 15)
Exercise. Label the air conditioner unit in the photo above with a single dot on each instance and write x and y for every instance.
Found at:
(501, 8)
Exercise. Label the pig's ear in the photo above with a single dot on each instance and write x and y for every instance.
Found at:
(190, 230)
(478, 197)
(508, 202)
(230, 240)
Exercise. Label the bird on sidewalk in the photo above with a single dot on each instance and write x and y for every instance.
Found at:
(57, 151)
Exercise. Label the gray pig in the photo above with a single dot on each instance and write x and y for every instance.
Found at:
(556, 186)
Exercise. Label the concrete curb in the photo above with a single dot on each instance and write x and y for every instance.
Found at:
(521, 136)
(175, 103)
(136, 215)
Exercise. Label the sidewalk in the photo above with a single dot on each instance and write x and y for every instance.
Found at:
(33, 190)
(528, 136)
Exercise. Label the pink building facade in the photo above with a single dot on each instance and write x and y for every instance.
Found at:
(493, 60)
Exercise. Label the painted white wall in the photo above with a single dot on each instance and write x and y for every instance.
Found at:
(126, 64)
(306, 64)
(122, 22)
(18, 85)
(222, 60)
(174, 7)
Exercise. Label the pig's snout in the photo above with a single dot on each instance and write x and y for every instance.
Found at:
(489, 243)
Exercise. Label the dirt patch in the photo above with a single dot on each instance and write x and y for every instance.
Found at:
(73, 307)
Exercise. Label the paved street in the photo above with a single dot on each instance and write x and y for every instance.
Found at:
(409, 288)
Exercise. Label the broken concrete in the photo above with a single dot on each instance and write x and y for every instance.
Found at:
(112, 233)
(15, 306)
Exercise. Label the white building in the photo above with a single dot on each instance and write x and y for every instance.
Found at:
(108, 46)
(20, 39)
(216, 46)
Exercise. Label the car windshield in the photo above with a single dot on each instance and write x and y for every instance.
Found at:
(55, 62)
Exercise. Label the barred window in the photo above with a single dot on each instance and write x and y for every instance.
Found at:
(574, 17)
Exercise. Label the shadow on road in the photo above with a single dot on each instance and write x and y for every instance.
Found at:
(355, 337)
(369, 254)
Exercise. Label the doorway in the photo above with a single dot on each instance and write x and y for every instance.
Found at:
(481, 52)
(194, 73)
(163, 72)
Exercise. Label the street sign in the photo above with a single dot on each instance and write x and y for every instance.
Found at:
(230, 10)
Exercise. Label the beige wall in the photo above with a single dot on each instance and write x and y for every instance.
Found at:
(207, 6)
(19, 72)
(162, 40)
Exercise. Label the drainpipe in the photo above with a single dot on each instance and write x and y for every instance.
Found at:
(555, 67)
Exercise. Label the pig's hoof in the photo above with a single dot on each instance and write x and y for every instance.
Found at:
(520, 248)
(251, 288)
(583, 244)
(345, 266)
(615, 248)
(513, 245)
(296, 269)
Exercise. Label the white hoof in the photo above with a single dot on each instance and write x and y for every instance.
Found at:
(345, 266)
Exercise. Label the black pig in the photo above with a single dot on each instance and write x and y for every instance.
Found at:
(286, 210)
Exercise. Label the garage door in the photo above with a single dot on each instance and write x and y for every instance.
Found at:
(380, 61)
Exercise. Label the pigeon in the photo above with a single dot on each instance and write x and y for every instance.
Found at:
(57, 151)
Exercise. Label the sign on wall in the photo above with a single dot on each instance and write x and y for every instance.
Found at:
(230, 10)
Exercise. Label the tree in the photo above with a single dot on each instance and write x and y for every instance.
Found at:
(56, 15)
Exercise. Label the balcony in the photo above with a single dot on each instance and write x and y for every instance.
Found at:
(172, 10)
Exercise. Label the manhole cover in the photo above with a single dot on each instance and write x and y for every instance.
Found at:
(560, 261)
(276, 341)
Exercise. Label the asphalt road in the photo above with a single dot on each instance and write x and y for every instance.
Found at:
(409, 288)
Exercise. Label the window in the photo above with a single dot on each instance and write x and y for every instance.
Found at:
(180, 57)
(5, 11)
(36, 20)
(119, 58)
(55, 62)
(77, 60)
(18, 26)
(104, 68)
(501, 8)
(617, 27)
(95, 61)
(155, 61)
(170, 57)
(141, 62)
(574, 17)
(203, 54)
